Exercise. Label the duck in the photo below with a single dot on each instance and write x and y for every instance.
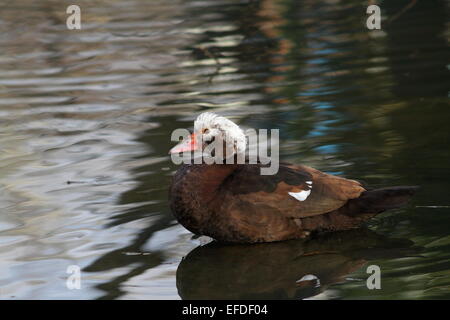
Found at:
(232, 202)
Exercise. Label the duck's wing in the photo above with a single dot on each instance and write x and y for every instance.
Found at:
(295, 191)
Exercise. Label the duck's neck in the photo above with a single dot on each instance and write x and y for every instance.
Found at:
(207, 179)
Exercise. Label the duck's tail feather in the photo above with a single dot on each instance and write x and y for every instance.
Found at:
(379, 200)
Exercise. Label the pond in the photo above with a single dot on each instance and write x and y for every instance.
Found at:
(85, 123)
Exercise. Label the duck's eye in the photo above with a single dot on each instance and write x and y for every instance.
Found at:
(205, 131)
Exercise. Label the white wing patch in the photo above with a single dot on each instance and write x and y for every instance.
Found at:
(300, 196)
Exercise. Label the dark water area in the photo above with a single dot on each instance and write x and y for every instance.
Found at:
(85, 123)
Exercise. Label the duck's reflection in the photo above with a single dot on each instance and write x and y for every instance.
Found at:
(284, 270)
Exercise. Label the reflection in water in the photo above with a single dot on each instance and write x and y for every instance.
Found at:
(86, 116)
(284, 270)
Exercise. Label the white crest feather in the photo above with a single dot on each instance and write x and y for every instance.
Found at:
(218, 125)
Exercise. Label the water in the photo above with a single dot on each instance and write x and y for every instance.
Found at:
(85, 123)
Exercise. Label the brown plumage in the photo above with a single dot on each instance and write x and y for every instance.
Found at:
(235, 203)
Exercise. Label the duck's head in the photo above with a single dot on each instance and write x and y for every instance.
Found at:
(211, 130)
